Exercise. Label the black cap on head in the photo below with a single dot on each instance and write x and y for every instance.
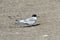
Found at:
(34, 15)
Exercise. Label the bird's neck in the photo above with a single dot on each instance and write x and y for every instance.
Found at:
(34, 17)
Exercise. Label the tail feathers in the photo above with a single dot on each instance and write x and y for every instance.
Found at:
(20, 21)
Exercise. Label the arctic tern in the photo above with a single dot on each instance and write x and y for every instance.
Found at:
(29, 21)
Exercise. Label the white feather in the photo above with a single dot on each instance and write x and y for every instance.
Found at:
(29, 21)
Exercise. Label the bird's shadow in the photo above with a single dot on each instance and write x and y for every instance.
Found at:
(26, 26)
(31, 25)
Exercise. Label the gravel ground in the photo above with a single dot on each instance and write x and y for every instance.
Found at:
(49, 19)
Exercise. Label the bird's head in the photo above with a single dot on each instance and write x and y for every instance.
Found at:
(34, 15)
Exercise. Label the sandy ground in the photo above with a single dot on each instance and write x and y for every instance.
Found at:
(49, 18)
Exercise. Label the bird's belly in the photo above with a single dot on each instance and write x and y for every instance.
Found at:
(31, 22)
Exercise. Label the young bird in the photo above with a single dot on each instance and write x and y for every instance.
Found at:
(29, 21)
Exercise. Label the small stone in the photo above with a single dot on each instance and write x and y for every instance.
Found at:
(45, 35)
